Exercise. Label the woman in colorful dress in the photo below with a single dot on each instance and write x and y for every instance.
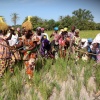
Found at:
(5, 55)
(29, 42)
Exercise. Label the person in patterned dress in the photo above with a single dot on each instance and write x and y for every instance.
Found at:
(29, 42)
(5, 54)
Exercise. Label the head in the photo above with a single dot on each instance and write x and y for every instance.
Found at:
(90, 41)
(23, 30)
(83, 41)
(62, 31)
(0, 31)
(18, 29)
(38, 31)
(73, 28)
(95, 45)
(43, 37)
(77, 32)
(65, 30)
(56, 29)
(9, 27)
(12, 31)
(42, 30)
(13, 28)
(4, 32)
(28, 33)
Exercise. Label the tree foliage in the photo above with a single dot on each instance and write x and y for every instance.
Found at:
(81, 18)
(14, 18)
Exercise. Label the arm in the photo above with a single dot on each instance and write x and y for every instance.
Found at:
(19, 44)
(9, 37)
(32, 47)
(51, 35)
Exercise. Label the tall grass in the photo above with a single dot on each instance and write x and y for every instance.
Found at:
(97, 75)
(48, 76)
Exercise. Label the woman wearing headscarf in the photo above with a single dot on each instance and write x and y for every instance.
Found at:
(44, 34)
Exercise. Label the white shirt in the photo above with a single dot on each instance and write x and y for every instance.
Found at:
(13, 40)
(85, 44)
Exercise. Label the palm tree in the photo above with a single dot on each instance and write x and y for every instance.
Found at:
(14, 18)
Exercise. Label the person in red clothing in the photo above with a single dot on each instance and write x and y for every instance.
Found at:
(29, 42)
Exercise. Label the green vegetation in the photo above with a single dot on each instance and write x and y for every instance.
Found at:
(97, 75)
(81, 18)
(48, 78)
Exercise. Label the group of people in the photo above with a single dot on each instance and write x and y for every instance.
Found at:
(26, 45)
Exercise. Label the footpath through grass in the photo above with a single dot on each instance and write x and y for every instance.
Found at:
(47, 79)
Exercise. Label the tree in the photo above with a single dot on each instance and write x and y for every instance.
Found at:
(66, 22)
(51, 24)
(36, 22)
(98, 26)
(83, 14)
(14, 18)
(84, 19)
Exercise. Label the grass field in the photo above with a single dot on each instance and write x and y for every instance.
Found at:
(49, 79)
(84, 34)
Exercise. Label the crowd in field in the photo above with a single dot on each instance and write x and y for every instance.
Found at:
(22, 44)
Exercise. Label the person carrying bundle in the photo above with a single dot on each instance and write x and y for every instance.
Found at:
(29, 42)
(5, 49)
(5, 54)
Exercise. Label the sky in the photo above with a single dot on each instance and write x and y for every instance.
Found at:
(46, 9)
